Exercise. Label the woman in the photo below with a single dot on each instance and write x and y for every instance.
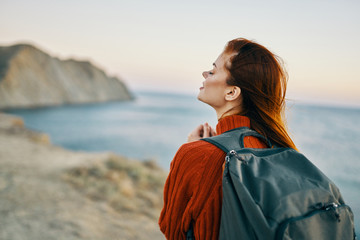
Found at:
(246, 88)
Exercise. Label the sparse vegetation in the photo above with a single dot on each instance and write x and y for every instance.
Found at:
(127, 185)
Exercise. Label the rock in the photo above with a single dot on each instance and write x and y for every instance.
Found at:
(30, 77)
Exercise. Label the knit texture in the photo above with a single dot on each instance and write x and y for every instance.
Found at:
(193, 189)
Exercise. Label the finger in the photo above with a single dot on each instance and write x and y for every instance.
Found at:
(199, 131)
(206, 130)
(200, 127)
(212, 131)
(196, 134)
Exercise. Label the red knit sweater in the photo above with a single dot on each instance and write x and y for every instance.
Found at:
(193, 189)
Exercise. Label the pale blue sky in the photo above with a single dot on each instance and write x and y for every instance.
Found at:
(166, 45)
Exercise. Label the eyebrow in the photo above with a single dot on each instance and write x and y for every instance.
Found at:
(214, 65)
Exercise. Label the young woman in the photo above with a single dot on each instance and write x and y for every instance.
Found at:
(246, 87)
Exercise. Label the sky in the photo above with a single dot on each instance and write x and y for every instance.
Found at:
(166, 45)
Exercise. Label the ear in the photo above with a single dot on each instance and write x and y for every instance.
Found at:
(232, 93)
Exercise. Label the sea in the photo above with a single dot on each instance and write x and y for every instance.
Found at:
(155, 124)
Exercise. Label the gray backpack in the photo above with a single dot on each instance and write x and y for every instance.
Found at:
(277, 193)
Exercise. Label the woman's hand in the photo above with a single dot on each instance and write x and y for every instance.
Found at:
(202, 131)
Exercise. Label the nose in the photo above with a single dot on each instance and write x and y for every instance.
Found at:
(205, 74)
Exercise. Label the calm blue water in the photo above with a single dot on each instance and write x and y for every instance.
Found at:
(156, 124)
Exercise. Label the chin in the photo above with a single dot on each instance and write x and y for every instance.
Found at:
(201, 99)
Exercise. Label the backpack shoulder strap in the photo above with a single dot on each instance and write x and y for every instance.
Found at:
(234, 139)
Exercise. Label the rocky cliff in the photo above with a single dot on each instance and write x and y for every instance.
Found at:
(30, 77)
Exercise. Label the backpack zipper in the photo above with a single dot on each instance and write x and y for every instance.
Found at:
(320, 207)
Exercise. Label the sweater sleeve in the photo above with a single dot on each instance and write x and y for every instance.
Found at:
(192, 192)
(179, 189)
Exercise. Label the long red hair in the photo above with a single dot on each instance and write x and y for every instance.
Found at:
(262, 79)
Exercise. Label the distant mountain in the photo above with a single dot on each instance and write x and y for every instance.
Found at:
(30, 77)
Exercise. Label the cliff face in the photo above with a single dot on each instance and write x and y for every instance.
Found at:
(30, 77)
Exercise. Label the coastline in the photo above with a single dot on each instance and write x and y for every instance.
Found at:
(48, 192)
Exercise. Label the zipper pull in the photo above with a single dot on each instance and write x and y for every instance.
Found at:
(234, 153)
(334, 207)
(328, 207)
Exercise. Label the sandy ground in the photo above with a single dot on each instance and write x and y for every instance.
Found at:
(36, 202)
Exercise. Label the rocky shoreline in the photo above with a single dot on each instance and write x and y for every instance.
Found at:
(47, 192)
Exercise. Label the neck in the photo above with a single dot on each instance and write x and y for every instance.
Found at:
(233, 110)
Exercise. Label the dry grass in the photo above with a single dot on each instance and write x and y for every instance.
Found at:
(127, 185)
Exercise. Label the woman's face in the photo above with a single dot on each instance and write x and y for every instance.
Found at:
(215, 87)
